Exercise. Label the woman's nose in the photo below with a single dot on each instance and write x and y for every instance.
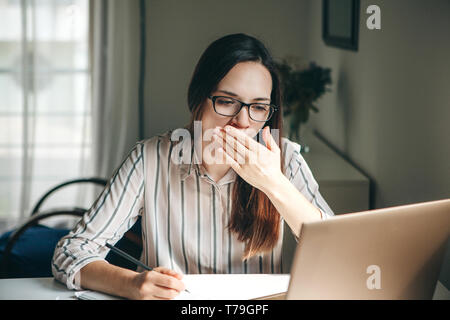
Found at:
(242, 118)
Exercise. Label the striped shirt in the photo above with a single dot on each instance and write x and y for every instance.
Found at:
(184, 215)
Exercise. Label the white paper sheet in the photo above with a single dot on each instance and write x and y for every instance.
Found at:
(94, 295)
(233, 286)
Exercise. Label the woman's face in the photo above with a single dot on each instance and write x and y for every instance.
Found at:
(248, 82)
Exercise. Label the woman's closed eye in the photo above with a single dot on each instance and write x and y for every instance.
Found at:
(260, 107)
(225, 101)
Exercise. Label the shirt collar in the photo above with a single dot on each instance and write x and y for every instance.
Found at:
(187, 169)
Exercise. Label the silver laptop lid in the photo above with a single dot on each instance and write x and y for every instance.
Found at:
(390, 253)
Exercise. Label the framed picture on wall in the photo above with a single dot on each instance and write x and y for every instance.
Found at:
(340, 23)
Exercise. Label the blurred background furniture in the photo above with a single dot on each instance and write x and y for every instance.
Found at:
(27, 251)
(345, 188)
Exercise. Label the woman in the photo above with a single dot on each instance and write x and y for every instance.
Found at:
(198, 216)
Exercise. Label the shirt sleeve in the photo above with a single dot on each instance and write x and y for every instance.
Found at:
(113, 213)
(300, 175)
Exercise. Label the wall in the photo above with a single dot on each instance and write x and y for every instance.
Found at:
(390, 107)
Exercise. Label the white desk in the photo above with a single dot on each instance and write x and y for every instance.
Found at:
(34, 289)
(49, 289)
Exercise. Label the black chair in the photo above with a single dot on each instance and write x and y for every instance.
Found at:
(96, 181)
(28, 250)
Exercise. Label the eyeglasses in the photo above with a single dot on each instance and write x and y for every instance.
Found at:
(229, 107)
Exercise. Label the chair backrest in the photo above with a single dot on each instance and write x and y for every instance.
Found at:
(94, 180)
(32, 221)
(37, 216)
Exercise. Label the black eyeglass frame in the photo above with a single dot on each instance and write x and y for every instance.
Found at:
(273, 108)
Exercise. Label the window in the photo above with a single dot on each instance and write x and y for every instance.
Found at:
(45, 111)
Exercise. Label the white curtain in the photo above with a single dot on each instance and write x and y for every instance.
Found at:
(69, 82)
(115, 56)
(45, 111)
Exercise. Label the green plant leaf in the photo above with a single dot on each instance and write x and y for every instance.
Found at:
(300, 89)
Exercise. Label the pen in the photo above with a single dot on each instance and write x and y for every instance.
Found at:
(131, 259)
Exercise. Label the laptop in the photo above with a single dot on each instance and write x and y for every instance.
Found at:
(390, 253)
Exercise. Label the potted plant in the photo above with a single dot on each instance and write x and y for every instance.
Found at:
(301, 88)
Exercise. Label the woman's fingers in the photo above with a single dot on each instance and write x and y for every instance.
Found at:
(243, 138)
(234, 164)
(270, 141)
(236, 150)
(164, 293)
(168, 279)
(160, 283)
(240, 147)
(168, 272)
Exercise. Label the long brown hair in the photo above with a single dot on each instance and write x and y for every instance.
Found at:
(254, 218)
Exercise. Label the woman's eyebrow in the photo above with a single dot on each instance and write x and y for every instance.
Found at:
(235, 95)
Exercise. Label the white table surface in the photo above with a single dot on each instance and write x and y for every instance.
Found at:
(34, 289)
(50, 289)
